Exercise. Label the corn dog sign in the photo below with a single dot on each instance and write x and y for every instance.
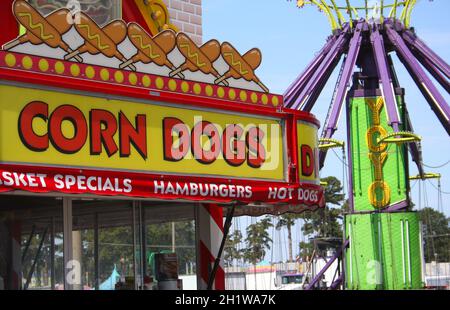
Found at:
(52, 141)
(73, 130)
(112, 110)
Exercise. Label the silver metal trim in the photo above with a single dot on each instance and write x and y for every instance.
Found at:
(402, 231)
(380, 249)
(409, 252)
(67, 239)
(161, 173)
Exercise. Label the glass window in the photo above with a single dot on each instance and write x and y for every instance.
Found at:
(110, 243)
(101, 11)
(105, 244)
(116, 250)
(292, 279)
(170, 228)
(83, 245)
(31, 243)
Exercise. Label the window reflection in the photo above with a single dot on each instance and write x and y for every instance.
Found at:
(31, 243)
(101, 11)
(110, 244)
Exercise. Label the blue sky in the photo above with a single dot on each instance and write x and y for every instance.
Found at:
(289, 37)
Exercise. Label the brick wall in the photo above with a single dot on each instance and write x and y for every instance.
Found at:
(187, 16)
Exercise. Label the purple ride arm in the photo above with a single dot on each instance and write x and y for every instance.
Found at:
(414, 147)
(411, 39)
(328, 264)
(338, 281)
(344, 83)
(418, 47)
(429, 91)
(433, 70)
(387, 89)
(300, 81)
(325, 66)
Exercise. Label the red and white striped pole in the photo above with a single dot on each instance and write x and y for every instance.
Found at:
(209, 230)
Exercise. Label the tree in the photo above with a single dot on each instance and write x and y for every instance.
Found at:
(287, 220)
(257, 241)
(436, 235)
(115, 249)
(159, 238)
(333, 191)
(306, 250)
(324, 222)
(231, 251)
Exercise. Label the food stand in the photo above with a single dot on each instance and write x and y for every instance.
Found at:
(113, 125)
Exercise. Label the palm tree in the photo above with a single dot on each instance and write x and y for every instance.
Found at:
(324, 222)
(231, 251)
(288, 221)
(257, 241)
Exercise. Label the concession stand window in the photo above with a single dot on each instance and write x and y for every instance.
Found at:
(109, 241)
(31, 242)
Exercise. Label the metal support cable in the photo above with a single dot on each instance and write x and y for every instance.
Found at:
(428, 218)
(437, 167)
(440, 190)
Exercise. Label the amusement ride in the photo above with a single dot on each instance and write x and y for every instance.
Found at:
(382, 246)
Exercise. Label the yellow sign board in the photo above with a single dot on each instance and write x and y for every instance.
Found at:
(55, 128)
(308, 156)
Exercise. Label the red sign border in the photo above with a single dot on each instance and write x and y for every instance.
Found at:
(289, 116)
(41, 179)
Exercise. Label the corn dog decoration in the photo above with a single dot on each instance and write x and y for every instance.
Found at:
(116, 30)
(193, 54)
(105, 41)
(55, 18)
(151, 49)
(99, 39)
(252, 57)
(210, 49)
(241, 66)
(48, 30)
